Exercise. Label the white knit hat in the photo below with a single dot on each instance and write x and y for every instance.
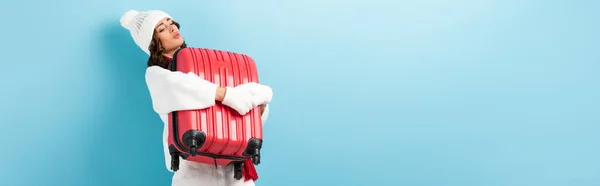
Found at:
(141, 25)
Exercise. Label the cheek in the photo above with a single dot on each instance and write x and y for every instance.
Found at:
(169, 42)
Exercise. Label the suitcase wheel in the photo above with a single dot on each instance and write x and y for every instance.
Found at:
(194, 146)
(193, 139)
(193, 151)
(256, 156)
(253, 150)
(237, 170)
(174, 162)
(256, 159)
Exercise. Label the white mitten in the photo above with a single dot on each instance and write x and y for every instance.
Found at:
(238, 99)
(262, 94)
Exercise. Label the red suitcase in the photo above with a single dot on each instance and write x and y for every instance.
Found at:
(218, 134)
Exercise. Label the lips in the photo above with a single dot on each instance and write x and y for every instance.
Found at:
(177, 35)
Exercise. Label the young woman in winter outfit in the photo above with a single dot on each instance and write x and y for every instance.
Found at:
(157, 34)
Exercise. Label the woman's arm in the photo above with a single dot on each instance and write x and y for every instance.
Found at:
(262, 109)
(171, 91)
(220, 93)
(264, 113)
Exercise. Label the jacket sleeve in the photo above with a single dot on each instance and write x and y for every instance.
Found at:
(173, 90)
(265, 114)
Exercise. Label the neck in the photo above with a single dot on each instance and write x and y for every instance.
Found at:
(169, 54)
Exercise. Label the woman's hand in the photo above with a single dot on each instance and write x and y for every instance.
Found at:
(262, 94)
(245, 97)
(240, 100)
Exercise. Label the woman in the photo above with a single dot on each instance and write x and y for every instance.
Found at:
(158, 35)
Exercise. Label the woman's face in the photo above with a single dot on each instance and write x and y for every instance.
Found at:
(168, 34)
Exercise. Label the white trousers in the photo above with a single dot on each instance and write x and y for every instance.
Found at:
(197, 174)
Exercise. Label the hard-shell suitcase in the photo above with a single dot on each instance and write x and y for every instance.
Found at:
(218, 134)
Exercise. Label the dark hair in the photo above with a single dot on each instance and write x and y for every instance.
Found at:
(156, 50)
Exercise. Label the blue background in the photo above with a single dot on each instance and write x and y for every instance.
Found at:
(416, 93)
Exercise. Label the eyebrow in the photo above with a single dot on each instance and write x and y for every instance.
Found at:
(161, 23)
